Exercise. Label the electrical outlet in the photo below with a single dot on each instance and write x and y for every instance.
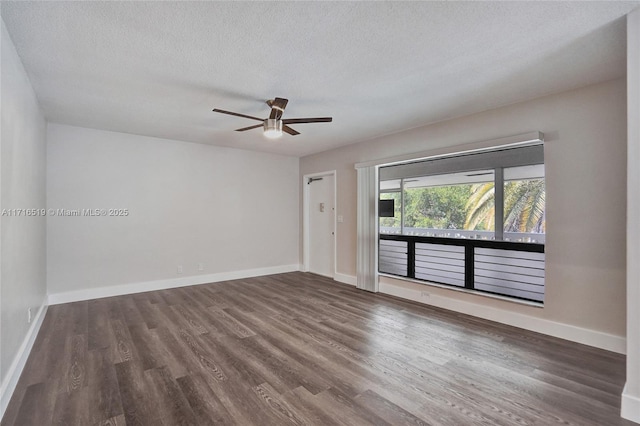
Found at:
(179, 271)
(340, 218)
(425, 294)
(29, 316)
(200, 266)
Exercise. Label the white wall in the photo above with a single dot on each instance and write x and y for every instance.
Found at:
(585, 155)
(631, 395)
(229, 209)
(22, 185)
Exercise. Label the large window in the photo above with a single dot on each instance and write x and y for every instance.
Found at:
(463, 205)
(475, 221)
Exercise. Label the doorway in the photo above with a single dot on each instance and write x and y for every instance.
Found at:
(320, 223)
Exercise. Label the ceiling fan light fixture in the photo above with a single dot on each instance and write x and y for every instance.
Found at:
(272, 128)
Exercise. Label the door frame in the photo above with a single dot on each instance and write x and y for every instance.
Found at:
(305, 218)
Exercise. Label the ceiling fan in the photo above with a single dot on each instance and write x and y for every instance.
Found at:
(275, 124)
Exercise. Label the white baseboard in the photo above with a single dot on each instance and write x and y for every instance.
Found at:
(15, 370)
(122, 289)
(564, 331)
(344, 278)
(630, 408)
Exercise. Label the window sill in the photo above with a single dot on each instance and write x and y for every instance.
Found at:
(464, 290)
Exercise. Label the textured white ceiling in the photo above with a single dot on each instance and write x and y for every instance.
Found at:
(158, 68)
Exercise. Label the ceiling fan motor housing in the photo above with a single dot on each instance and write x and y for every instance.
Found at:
(272, 127)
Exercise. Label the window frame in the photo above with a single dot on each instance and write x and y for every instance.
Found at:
(524, 156)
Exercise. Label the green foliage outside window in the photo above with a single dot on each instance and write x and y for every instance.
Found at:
(471, 207)
(439, 207)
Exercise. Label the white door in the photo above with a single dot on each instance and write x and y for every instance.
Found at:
(321, 225)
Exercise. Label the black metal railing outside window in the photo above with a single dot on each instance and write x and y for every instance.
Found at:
(513, 269)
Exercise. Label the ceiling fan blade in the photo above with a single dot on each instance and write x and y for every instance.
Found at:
(249, 128)
(277, 107)
(307, 120)
(237, 115)
(280, 103)
(289, 130)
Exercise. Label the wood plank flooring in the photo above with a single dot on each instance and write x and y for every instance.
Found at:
(300, 349)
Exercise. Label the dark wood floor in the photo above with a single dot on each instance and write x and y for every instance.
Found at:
(300, 349)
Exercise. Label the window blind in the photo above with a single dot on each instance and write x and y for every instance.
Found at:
(500, 158)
